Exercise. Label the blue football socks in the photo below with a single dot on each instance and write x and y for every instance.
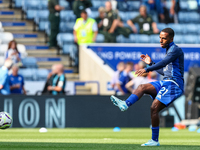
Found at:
(155, 133)
(132, 99)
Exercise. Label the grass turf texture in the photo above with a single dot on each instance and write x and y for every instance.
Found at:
(95, 139)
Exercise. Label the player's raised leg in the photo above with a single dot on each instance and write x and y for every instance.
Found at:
(138, 93)
(156, 107)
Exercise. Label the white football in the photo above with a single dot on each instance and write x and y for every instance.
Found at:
(5, 120)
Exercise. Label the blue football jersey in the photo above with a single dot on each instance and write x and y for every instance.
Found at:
(172, 66)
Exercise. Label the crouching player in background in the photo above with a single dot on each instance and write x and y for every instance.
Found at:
(163, 92)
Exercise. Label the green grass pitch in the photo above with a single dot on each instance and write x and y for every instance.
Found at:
(95, 139)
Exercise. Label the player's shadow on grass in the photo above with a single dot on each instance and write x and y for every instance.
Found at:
(87, 146)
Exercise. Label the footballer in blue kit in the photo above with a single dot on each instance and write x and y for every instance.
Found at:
(16, 82)
(163, 92)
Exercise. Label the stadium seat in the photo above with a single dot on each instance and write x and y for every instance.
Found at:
(65, 38)
(41, 74)
(131, 15)
(193, 17)
(123, 16)
(142, 38)
(190, 39)
(69, 49)
(161, 26)
(30, 62)
(67, 15)
(96, 4)
(155, 38)
(64, 4)
(191, 28)
(66, 26)
(73, 53)
(178, 39)
(48, 28)
(132, 38)
(6, 37)
(31, 5)
(27, 74)
(1, 28)
(100, 38)
(122, 39)
(183, 17)
(18, 3)
(41, 15)
(31, 14)
(133, 5)
(44, 4)
(178, 28)
(42, 25)
(183, 5)
(94, 14)
(122, 6)
(68, 38)
(22, 50)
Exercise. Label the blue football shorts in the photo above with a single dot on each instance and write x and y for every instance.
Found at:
(167, 91)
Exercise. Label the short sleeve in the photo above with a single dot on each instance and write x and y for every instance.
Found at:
(135, 20)
(61, 81)
(115, 15)
(95, 27)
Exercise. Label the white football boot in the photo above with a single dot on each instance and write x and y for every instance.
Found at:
(151, 143)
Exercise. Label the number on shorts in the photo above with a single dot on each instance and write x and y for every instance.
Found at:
(163, 91)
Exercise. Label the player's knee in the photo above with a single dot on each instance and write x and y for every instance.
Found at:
(154, 109)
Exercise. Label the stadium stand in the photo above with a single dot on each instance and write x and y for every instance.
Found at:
(35, 13)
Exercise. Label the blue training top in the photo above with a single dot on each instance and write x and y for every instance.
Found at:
(172, 66)
(13, 80)
(4, 80)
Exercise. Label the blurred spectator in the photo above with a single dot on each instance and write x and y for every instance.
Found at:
(85, 29)
(155, 9)
(174, 10)
(110, 23)
(49, 81)
(136, 81)
(13, 53)
(71, 3)
(59, 81)
(16, 82)
(54, 18)
(116, 76)
(100, 18)
(80, 5)
(145, 22)
(198, 3)
(169, 18)
(4, 77)
(152, 76)
(125, 77)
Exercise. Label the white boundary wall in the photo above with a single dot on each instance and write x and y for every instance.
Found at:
(92, 68)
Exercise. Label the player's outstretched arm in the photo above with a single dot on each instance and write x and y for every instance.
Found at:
(168, 59)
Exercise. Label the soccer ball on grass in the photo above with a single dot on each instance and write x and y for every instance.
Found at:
(5, 120)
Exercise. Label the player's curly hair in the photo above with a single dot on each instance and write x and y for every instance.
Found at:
(170, 31)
